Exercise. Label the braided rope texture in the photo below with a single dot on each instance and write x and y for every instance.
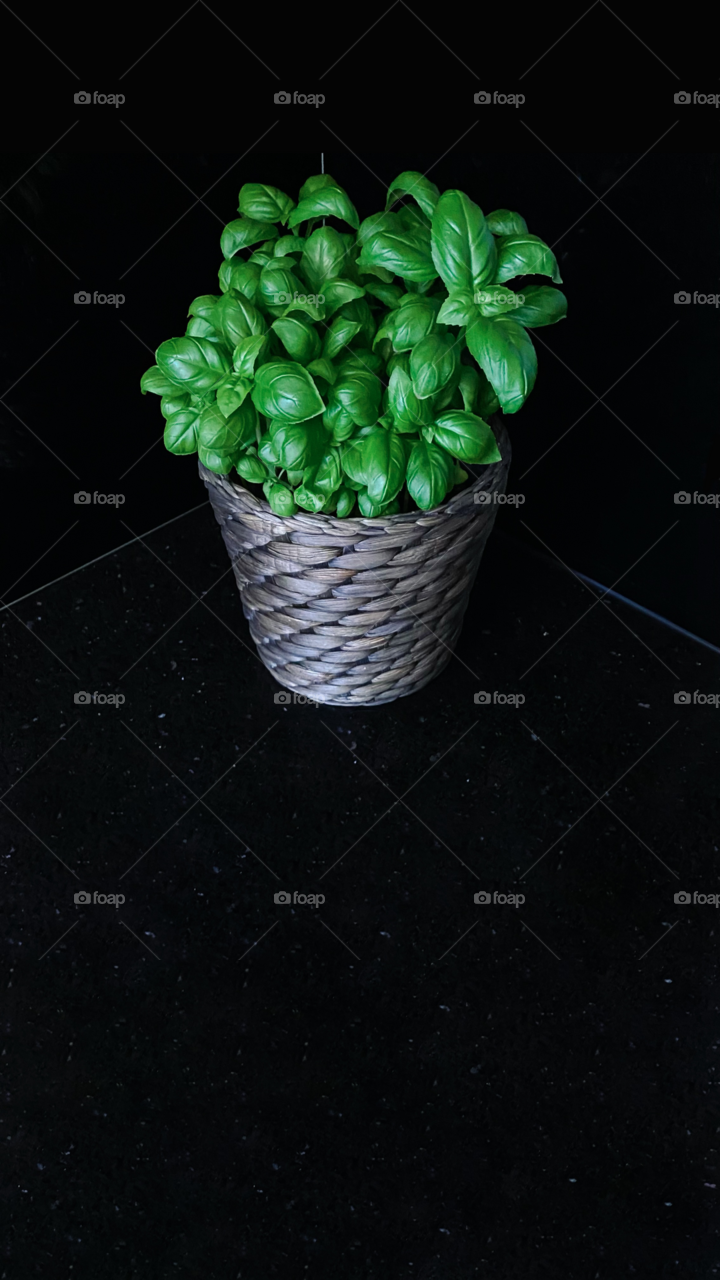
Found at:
(360, 611)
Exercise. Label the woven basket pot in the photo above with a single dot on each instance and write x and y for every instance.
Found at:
(359, 611)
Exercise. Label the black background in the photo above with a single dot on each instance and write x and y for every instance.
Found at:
(233, 1107)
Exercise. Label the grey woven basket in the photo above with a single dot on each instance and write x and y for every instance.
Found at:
(360, 611)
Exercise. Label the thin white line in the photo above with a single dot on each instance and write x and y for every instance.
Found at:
(42, 757)
(242, 42)
(37, 437)
(462, 935)
(42, 42)
(132, 931)
(637, 37)
(62, 935)
(162, 37)
(42, 557)
(42, 642)
(36, 162)
(42, 357)
(362, 37)
(254, 944)
(87, 564)
(40, 839)
(37, 237)
(335, 935)
(562, 37)
(536, 935)
(442, 42)
(664, 935)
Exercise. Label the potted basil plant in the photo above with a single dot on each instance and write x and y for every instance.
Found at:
(350, 379)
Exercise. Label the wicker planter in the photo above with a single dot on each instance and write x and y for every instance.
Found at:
(359, 611)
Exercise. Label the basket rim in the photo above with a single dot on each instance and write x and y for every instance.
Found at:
(234, 487)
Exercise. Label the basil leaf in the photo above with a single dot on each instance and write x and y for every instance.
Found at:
(316, 184)
(404, 405)
(416, 185)
(361, 358)
(432, 364)
(316, 310)
(328, 475)
(242, 232)
(241, 276)
(507, 356)
(328, 201)
(469, 385)
(338, 422)
(337, 292)
(225, 436)
(278, 285)
(465, 436)
(525, 255)
(284, 390)
(231, 393)
(352, 462)
(264, 204)
(383, 464)
(463, 248)
(458, 308)
(345, 503)
(377, 222)
(298, 444)
(300, 340)
(409, 323)
(309, 498)
(503, 222)
(359, 392)
(268, 452)
(251, 468)
(180, 434)
(486, 402)
(288, 244)
(429, 475)
(367, 507)
(323, 368)
(158, 382)
(203, 305)
(174, 402)
(236, 318)
(221, 463)
(339, 334)
(281, 500)
(358, 310)
(195, 364)
(323, 257)
(246, 354)
(496, 300)
(542, 305)
(406, 253)
(198, 327)
(412, 219)
(389, 294)
(382, 274)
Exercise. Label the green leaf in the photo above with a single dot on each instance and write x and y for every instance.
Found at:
(497, 300)
(383, 458)
(323, 368)
(283, 389)
(359, 393)
(368, 508)
(486, 402)
(503, 222)
(406, 409)
(246, 354)
(244, 277)
(469, 385)
(237, 318)
(279, 285)
(362, 358)
(298, 444)
(158, 382)
(389, 294)
(542, 305)
(231, 393)
(203, 305)
(337, 292)
(339, 334)
(268, 452)
(416, 185)
(226, 436)
(405, 253)
(264, 204)
(458, 308)
(314, 184)
(429, 475)
(327, 201)
(345, 503)
(242, 232)
(251, 468)
(352, 461)
(221, 463)
(358, 310)
(525, 255)
(309, 498)
(328, 475)
(465, 436)
(288, 244)
(199, 327)
(281, 500)
(300, 340)
(195, 364)
(180, 435)
(338, 422)
(463, 248)
(433, 363)
(409, 323)
(174, 402)
(323, 257)
(507, 356)
(316, 310)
